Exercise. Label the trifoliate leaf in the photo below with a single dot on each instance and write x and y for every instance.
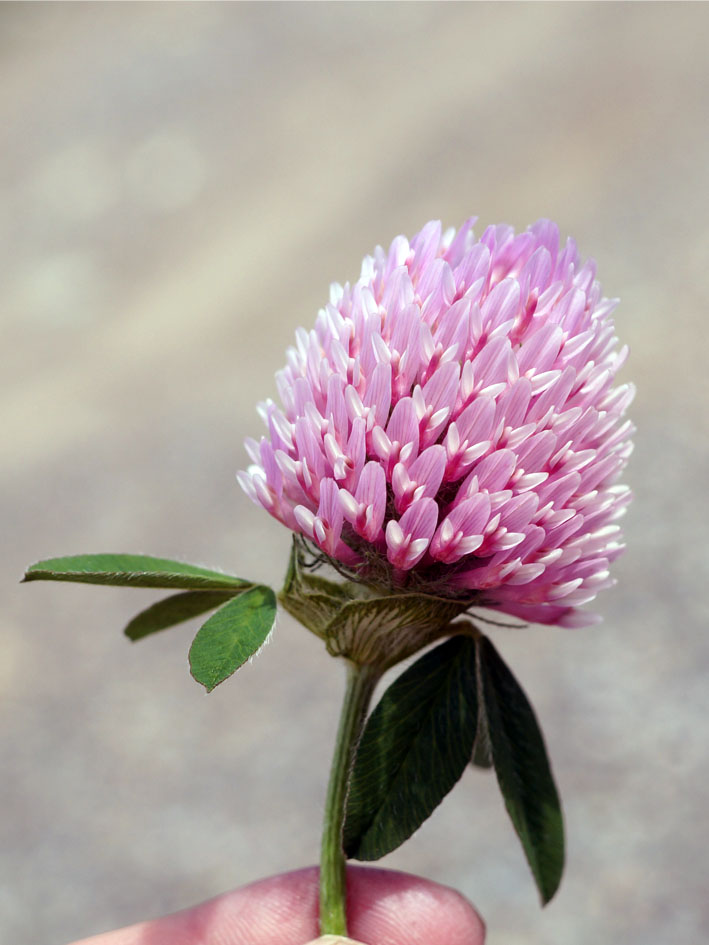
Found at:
(522, 769)
(415, 747)
(173, 610)
(232, 635)
(131, 571)
(482, 756)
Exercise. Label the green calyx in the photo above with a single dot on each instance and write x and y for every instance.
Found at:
(362, 623)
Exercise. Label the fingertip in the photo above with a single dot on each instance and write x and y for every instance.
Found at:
(401, 909)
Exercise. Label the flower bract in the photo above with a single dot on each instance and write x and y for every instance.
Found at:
(451, 424)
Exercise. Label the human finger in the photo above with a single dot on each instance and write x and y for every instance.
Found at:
(383, 907)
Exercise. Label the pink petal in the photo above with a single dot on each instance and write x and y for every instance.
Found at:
(335, 409)
(501, 304)
(460, 242)
(403, 424)
(540, 351)
(425, 247)
(494, 471)
(408, 539)
(427, 469)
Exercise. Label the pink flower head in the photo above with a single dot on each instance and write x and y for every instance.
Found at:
(450, 421)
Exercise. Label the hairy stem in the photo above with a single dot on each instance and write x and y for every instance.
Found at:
(361, 681)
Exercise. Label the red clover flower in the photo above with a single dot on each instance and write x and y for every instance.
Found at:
(452, 419)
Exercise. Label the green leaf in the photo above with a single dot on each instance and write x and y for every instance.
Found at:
(235, 633)
(131, 571)
(173, 610)
(482, 755)
(522, 769)
(415, 746)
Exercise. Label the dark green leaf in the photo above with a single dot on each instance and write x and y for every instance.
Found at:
(522, 769)
(482, 756)
(415, 747)
(227, 640)
(174, 609)
(131, 571)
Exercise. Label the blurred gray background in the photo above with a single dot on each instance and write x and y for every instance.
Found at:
(180, 183)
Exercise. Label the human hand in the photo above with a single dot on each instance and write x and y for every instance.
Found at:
(383, 908)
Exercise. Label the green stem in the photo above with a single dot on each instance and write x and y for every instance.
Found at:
(361, 681)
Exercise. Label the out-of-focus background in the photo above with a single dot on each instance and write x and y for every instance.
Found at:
(180, 183)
